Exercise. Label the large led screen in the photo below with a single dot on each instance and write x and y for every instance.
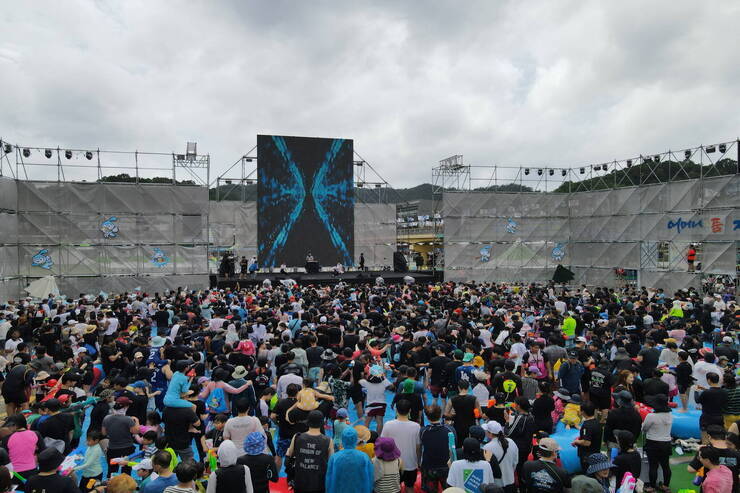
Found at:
(305, 200)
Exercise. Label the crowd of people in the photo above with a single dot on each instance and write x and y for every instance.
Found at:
(228, 391)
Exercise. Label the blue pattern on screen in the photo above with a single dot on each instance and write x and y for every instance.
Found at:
(305, 200)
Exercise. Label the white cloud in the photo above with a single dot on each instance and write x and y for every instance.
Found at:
(558, 83)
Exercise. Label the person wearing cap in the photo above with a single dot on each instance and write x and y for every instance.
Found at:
(120, 430)
(623, 416)
(375, 386)
(57, 426)
(465, 371)
(595, 475)
(725, 349)
(472, 470)
(543, 474)
(570, 373)
(261, 465)
(143, 471)
(502, 451)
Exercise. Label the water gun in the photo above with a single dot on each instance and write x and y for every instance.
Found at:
(122, 461)
(212, 460)
(699, 478)
(20, 478)
(453, 449)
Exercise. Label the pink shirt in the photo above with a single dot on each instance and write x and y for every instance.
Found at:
(718, 480)
(22, 450)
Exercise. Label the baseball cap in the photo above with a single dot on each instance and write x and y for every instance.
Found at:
(458, 353)
(468, 357)
(549, 445)
(493, 427)
(123, 401)
(581, 339)
(145, 464)
(727, 339)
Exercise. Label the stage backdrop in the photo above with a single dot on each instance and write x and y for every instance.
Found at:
(305, 200)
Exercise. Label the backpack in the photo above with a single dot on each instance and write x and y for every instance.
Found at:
(217, 401)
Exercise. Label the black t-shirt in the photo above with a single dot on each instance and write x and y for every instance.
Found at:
(501, 378)
(57, 426)
(161, 317)
(449, 373)
(138, 407)
(350, 341)
(683, 374)
(285, 429)
(650, 357)
(313, 354)
(591, 431)
(334, 334)
(438, 365)
(262, 469)
(712, 401)
(542, 476)
(654, 386)
(435, 445)
(627, 462)
(542, 407)
(727, 457)
(177, 421)
(53, 482)
(601, 382)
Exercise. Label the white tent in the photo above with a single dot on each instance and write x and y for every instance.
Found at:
(41, 288)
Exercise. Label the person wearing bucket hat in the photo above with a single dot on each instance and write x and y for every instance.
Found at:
(261, 465)
(239, 372)
(622, 417)
(596, 476)
(387, 466)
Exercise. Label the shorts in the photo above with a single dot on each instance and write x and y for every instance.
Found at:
(437, 391)
(683, 389)
(17, 398)
(408, 478)
(432, 478)
(282, 446)
(356, 394)
(375, 410)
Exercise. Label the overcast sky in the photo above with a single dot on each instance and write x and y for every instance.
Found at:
(559, 82)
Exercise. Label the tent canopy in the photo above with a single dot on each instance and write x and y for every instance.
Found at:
(41, 288)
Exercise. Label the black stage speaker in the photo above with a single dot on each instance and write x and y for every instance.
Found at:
(399, 262)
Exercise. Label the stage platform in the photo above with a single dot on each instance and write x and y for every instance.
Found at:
(353, 277)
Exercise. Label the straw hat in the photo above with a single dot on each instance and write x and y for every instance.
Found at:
(306, 400)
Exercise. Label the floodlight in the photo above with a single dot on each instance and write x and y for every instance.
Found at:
(526, 171)
(26, 152)
(563, 172)
(89, 155)
(47, 153)
(68, 154)
(539, 172)
(710, 149)
(629, 163)
(8, 148)
(583, 171)
(722, 148)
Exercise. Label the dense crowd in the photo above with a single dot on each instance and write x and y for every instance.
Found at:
(220, 391)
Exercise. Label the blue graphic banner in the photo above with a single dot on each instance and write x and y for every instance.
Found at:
(305, 200)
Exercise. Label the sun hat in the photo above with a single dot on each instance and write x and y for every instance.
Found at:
(623, 398)
(562, 393)
(377, 371)
(239, 372)
(597, 462)
(548, 444)
(306, 400)
(575, 399)
(468, 357)
(105, 393)
(363, 433)
(386, 449)
(478, 361)
(328, 355)
(42, 375)
(254, 443)
(158, 341)
(535, 370)
(493, 427)
(659, 403)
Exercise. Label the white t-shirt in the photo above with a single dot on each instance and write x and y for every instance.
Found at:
(237, 428)
(406, 436)
(485, 337)
(507, 461)
(375, 391)
(701, 368)
(469, 475)
(12, 346)
(517, 349)
(561, 306)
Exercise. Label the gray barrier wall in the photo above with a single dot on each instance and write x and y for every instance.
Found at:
(647, 228)
(103, 236)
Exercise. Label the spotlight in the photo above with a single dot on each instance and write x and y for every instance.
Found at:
(583, 171)
(228, 182)
(360, 184)
(686, 154)
(359, 163)
(26, 152)
(68, 154)
(709, 149)
(47, 153)
(656, 158)
(539, 172)
(722, 148)
(597, 168)
(552, 172)
(629, 163)
(88, 155)
(563, 172)
(378, 185)
(526, 171)
(249, 159)
(8, 148)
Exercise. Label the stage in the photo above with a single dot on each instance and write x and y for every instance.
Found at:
(352, 277)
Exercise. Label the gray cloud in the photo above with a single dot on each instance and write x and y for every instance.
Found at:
(561, 83)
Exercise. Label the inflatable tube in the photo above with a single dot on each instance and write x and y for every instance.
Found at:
(569, 453)
(686, 425)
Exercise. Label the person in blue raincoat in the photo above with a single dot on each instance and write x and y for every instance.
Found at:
(349, 470)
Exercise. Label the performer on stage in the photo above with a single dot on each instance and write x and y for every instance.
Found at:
(309, 257)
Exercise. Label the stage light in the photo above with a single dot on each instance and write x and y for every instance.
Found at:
(722, 148)
(710, 149)
(360, 184)
(686, 154)
(378, 185)
(249, 159)
(656, 158)
(629, 163)
(228, 182)
(597, 168)
(526, 171)
(47, 153)
(583, 171)
(563, 172)
(359, 163)
(539, 172)
(89, 155)
(26, 152)
(8, 148)
(68, 154)
(552, 172)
